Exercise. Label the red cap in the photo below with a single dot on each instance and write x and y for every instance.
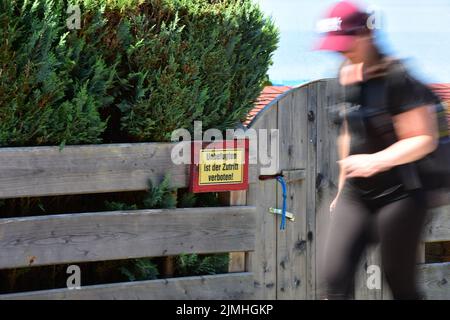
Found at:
(340, 26)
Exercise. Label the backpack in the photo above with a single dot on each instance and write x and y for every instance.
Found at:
(434, 168)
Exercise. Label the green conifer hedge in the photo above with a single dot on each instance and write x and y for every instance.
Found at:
(134, 71)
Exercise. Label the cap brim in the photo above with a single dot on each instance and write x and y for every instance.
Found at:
(335, 43)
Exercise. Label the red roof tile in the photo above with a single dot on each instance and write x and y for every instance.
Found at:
(268, 94)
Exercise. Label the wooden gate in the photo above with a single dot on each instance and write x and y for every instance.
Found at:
(285, 263)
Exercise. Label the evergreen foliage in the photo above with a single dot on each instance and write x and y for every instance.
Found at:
(193, 264)
(135, 71)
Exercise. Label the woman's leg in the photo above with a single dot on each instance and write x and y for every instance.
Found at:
(400, 226)
(347, 237)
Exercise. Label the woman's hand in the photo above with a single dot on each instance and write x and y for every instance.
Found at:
(333, 204)
(363, 165)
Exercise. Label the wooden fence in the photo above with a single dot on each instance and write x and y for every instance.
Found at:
(266, 262)
(98, 236)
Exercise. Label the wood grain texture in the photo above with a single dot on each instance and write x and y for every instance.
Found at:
(292, 279)
(217, 287)
(434, 280)
(437, 226)
(125, 234)
(44, 171)
(325, 179)
(237, 259)
(262, 194)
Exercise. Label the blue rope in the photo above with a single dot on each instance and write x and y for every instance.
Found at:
(281, 180)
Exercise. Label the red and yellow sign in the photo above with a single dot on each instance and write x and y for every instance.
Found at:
(219, 166)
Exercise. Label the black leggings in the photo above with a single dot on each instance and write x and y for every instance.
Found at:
(397, 226)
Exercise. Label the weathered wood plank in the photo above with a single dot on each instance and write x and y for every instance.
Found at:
(168, 264)
(125, 234)
(235, 198)
(434, 280)
(237, 259)
(43, 171)
(262, 194)
(292, 279)
(237, 262)
(324, 180)
(216, 287)
(47, 171)
(437, 226)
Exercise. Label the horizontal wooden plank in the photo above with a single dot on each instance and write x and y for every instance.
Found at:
(216, 287)
(42, 171)
(437, 227)
(49, 171)
(434, 280)
(113, 235)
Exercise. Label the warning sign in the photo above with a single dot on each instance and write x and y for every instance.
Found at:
(219, 166)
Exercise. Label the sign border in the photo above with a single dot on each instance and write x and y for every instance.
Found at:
(196, 146)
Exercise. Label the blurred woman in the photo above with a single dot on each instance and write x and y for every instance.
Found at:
(388, 124)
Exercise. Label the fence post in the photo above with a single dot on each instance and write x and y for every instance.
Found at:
(235, 198)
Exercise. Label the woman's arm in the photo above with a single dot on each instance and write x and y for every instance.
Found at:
(343, 144)
(417, 133)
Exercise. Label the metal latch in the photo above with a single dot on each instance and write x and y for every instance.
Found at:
(289, 215)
